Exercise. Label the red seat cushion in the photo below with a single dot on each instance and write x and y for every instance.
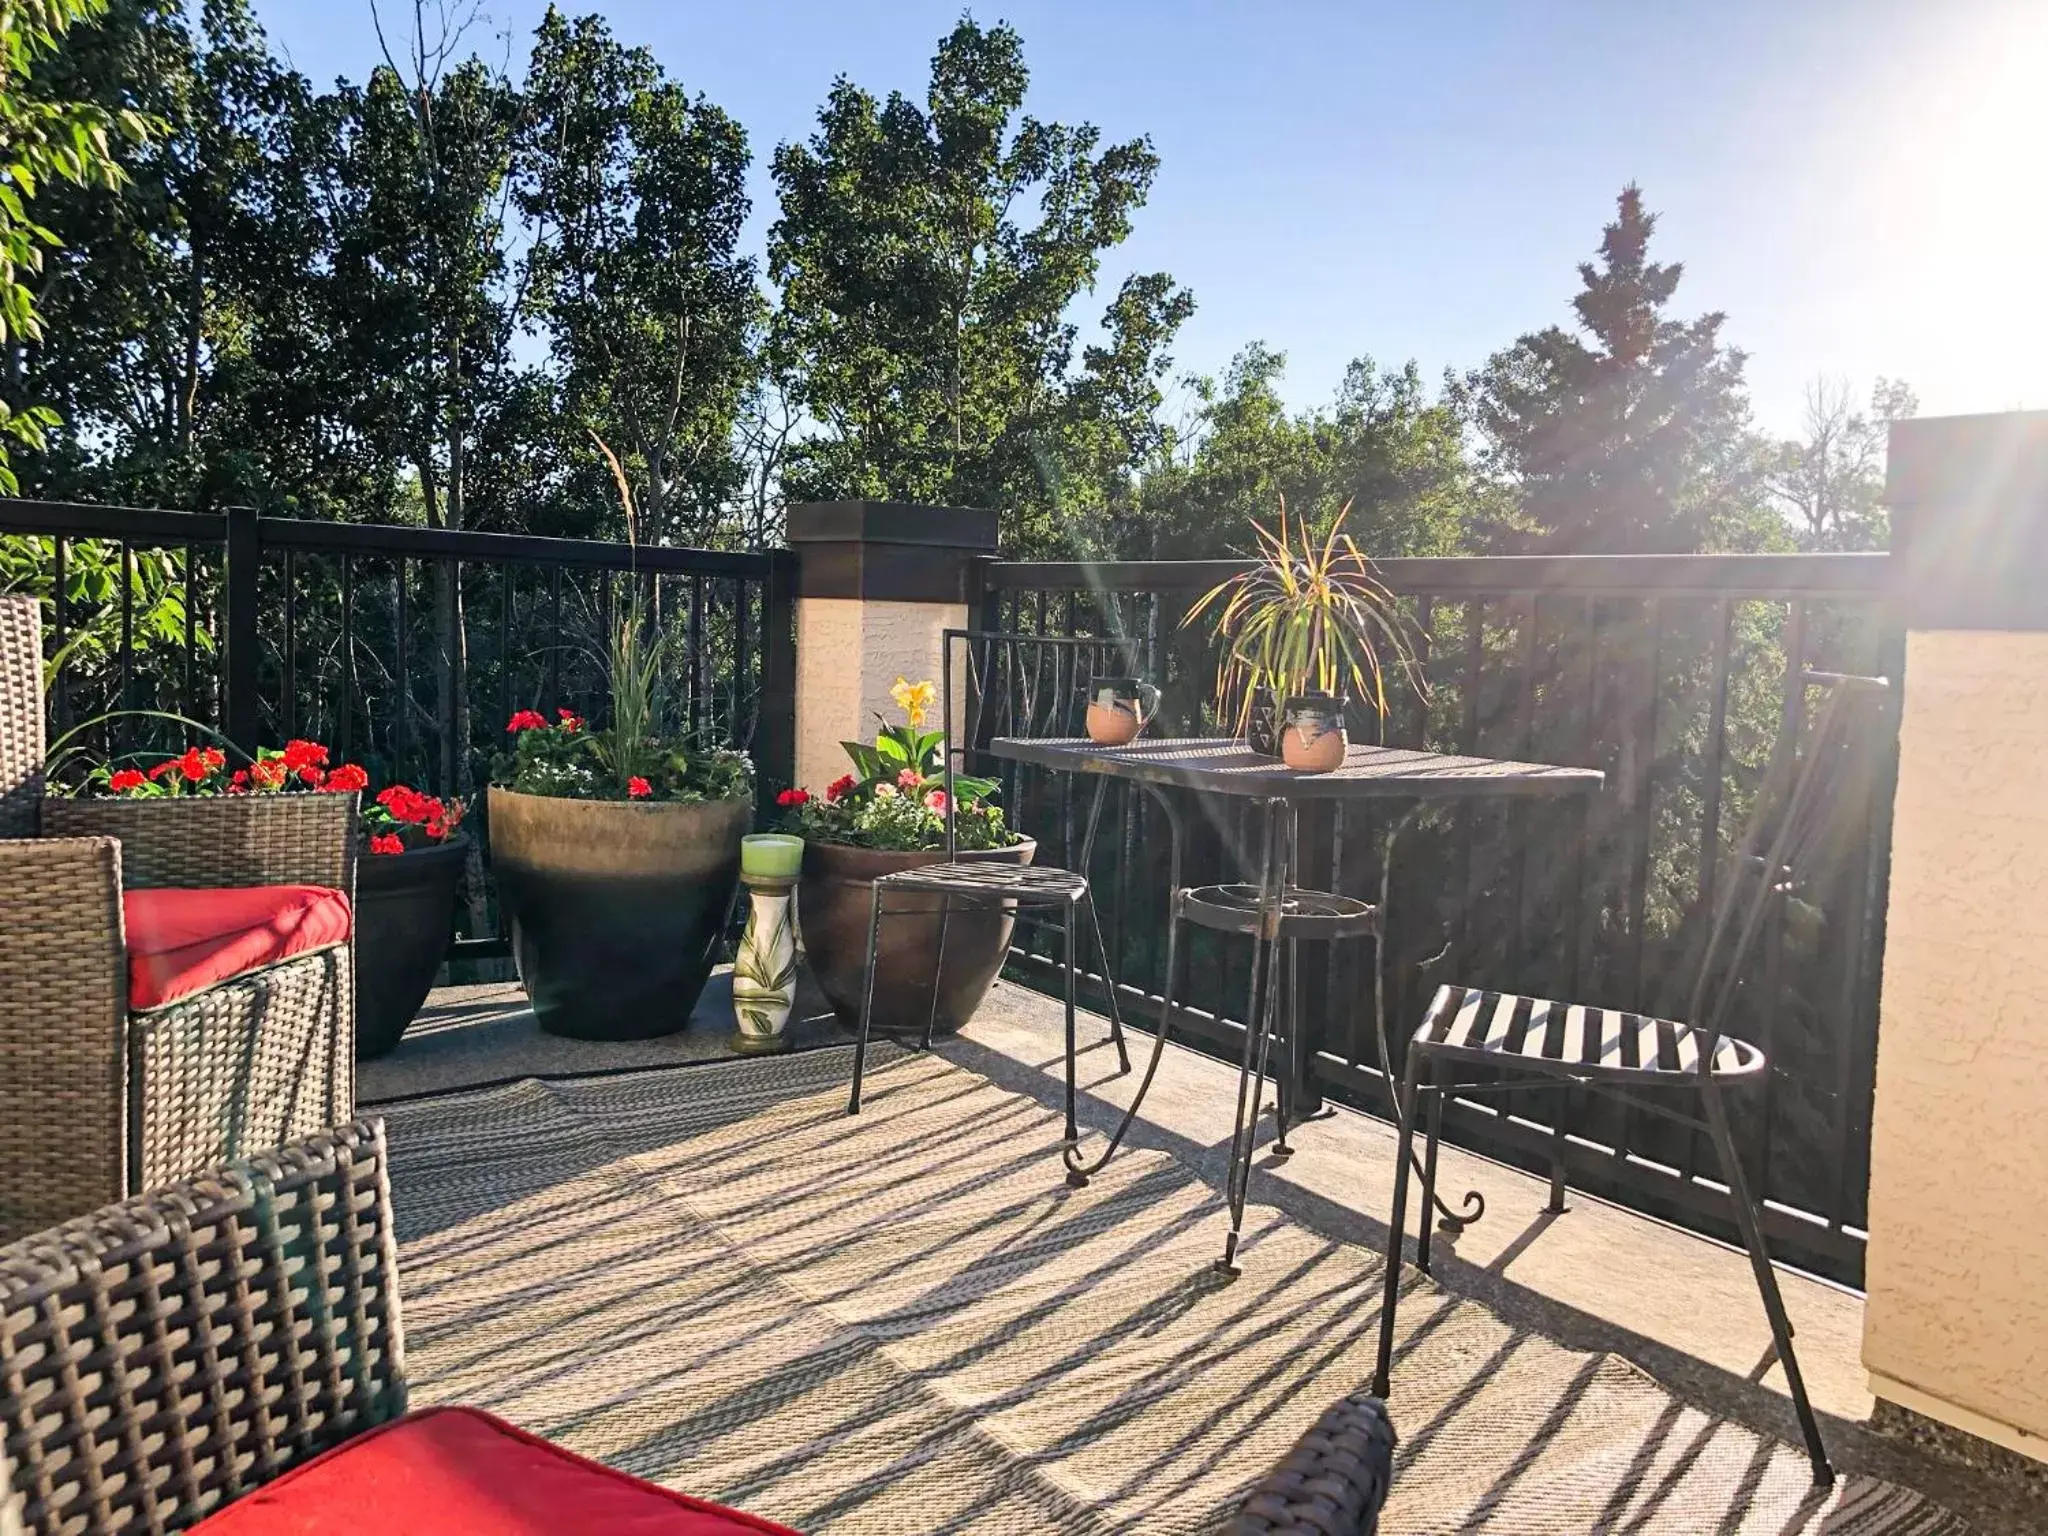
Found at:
(460, 1472)
(184, 941)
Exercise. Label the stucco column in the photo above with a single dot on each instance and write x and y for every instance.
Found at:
(878, 584)
(1956, 1329)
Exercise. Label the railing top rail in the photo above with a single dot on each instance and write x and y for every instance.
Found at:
(86, 520)
(149, 525)
(1737, 576)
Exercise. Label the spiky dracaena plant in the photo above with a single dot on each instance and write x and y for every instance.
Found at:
(1309, 613)
(634, 657)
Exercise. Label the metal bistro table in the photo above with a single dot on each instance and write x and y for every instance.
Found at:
(1275, 909)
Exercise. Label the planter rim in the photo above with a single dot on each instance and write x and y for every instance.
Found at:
(642, 807)
(855, 853)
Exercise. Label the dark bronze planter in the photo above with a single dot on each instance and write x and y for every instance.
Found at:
(405, 913)
(615, 906)
(832, 918)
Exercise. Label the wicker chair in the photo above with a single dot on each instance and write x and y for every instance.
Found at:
(97, 1100)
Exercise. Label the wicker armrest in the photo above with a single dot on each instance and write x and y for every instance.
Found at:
(1334, 1480)
(166, 1355)
(63, 1029)
(230, 840)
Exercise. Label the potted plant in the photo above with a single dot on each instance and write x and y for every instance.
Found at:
(405, 909)
(886, 815)
(1306, 622)
(617, 849)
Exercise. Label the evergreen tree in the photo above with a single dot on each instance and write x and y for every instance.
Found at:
(1629, 436)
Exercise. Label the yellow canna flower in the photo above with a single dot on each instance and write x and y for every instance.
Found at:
(914, 699)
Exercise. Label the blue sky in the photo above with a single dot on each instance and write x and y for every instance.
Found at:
(1856, 182)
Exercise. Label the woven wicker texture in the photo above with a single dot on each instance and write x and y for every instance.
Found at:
(906, 1322)
(94, 1105)
(21, 715)
(250, 840)
(162, 1356)
(1334, 1480)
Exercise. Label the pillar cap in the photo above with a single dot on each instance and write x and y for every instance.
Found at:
(1969, 502)
(888, 551)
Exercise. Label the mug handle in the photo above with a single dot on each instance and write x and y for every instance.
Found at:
(1149, 697)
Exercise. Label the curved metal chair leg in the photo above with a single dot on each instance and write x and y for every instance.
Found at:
(1766, 1279)
(1435, 1140)
(1397, 1220)
(867, 999)
(1116, 1020)
(1073, 1126)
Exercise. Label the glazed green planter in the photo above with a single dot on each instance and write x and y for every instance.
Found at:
(616, 906)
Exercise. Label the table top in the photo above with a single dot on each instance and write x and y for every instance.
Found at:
(1232, 768)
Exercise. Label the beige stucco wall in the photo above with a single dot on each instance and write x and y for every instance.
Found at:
(1957, 1320)
(849, 653)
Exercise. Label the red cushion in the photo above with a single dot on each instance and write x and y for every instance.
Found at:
(184, 941)
(460, 1472)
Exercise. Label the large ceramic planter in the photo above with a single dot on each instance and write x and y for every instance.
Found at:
(405, 913)
(615, 906)
(832, 916)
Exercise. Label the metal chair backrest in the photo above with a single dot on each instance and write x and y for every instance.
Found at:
(1019, 685)
(1808, 792)
(21, 716)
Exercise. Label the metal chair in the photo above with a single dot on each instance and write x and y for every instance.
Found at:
(1018, 685)
(1611, 1052)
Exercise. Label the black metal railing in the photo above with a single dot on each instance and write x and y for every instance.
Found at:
(1676, 675)
(404, 649)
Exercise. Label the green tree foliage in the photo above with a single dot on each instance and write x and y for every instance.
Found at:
(1631, 436)
(1829, 481)
(926, 325)
(1384, 445)
(635, 196)
(45, 137)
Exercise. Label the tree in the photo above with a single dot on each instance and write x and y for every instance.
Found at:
(43, 139)
(1383, 445)
(1830, 481)
(1631, 437)
(635, 195)
(925, 325)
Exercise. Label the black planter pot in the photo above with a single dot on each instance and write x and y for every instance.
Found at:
(405, 914)
(1262, 725)
(614, 905)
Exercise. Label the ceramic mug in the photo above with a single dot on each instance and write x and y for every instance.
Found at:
(1312, 738)
(1119, 708)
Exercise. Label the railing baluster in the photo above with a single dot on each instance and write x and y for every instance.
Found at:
(401, 744)
(127, 579)
(346, 720)
(697, 653)
(287, 666)
(60, 688)
(190, 692)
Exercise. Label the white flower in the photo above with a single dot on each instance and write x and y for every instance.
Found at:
(885, 790)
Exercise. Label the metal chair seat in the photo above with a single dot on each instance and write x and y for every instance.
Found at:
(1025, 883)
(1507, 1029)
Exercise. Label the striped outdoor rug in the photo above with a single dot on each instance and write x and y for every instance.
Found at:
(906, 1323)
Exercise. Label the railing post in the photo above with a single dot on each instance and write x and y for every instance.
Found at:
(878, 584)
(244, 549)
(775, 717)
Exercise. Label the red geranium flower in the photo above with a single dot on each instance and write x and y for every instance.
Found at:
(936, 801)
(794, 797)
(437, 829)
(526, 720)
(311, 775)
(213, 757)
(127, 779)
(267, 773)
(168, 765)
(840, 787)
(193, 765)
(301, 755)
(571, 721)
(638, 788)
(348, 776)
(387, 842)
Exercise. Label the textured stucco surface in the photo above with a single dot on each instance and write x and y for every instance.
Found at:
(849, 653)
(1958, 1262)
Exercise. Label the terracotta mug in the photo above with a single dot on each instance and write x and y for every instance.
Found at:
(1312, 738)
(1119, 708)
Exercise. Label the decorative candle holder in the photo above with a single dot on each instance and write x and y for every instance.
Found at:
(764, 974)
